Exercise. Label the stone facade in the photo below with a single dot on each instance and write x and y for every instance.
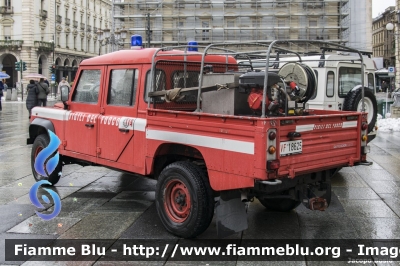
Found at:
(30, 28)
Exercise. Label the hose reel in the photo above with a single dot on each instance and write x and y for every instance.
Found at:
(301, 79)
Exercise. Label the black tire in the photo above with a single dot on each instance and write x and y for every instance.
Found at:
(191, 211)
(41, 142)
(280, 205)
(352, 102)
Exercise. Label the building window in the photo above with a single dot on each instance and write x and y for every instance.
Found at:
(312, 31)
(230, 23)
(7, 33)
(206, 32)
(66, 41)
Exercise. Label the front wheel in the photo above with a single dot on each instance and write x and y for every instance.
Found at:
(40, 143)
(184, 199)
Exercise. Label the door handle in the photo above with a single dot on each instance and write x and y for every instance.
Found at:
(124, 130)
(89, 125)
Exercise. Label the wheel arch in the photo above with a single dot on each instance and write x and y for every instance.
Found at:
(168, 153)
(39, 126)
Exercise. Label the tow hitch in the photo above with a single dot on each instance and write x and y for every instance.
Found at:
(317, 196)
(317, 204)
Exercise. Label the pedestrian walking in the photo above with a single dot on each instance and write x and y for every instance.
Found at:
(384, 86)
(63, 82)
(1, 93)
(32, 98)
(43, 91)
(5, 85)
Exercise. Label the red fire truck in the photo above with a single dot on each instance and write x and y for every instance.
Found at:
(215, 136)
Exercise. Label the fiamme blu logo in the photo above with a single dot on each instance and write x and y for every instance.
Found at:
(45, 163)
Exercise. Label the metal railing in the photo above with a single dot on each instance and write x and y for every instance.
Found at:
(43, 46)
(10, 44)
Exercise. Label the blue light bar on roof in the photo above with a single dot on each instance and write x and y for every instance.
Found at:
(192, 46)
(136, 41)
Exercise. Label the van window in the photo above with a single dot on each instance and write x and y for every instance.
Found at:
(122, 90)
(349, 77)
(330, 84)
(87, 90)
(371, 81)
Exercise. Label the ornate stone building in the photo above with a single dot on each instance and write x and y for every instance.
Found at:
(175, 22)
(46, 32)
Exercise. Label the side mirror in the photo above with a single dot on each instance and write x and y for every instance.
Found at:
(64, 95)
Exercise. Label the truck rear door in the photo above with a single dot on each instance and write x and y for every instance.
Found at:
(318, 142)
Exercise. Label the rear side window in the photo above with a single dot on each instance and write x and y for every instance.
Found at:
(123, 83)
(180, 80)
(330, 84)
(158, 84)
(87, 90)
(371, 81)
(349, 77)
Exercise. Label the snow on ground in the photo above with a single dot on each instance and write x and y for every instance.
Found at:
(388, 124)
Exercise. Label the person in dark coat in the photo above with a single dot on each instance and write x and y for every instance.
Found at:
(32, 98)
(43, 90)
(1, 92)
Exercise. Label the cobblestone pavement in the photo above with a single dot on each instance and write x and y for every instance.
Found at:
(98, 203)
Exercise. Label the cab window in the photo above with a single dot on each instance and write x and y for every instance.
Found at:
(371, 81)
(123, 84)
(330, 84)
(348, 78)
(87, 90)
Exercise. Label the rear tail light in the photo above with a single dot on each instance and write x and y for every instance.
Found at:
(364, 126)
(273, 165)
(271, 149)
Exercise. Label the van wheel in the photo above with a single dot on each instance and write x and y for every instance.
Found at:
(280, 205)
(184, 199)
(353, 102)
(41, 142)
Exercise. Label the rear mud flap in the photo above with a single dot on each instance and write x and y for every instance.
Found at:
(231, 216)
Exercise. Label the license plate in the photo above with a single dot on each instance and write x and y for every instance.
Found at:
(291, 147)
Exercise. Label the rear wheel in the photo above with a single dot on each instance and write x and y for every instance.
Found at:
(41, 142)
(184, 199)
(353, 102)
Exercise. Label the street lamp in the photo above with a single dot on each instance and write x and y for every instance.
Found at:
(105, 38)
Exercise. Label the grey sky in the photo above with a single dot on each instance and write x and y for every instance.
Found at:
(378, 6)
